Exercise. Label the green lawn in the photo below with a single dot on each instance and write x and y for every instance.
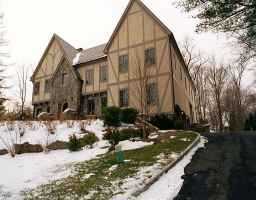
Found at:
(103, 182)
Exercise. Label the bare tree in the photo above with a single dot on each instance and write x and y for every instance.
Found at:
(142, 77)
(235, 97)
(217, 79)
(23, 79)
(3, 54)
(197, 65)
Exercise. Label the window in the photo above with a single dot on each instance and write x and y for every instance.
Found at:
(124, 98)
(63, 77)
(123, 63)
(36, 88)
(103, 73)
(186, 83)
(151, 93)
(180, 74)
(150, 56)
(47, 86)
(89, 77)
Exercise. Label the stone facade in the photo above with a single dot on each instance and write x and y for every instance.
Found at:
(66, 89)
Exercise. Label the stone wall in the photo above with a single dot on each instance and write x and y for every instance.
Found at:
(66, 90)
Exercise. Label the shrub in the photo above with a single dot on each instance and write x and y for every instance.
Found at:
(111, 116)
(162, 121)
(128, 115)
(88, 139)
(115, 136)
(179, 124)
(74, 144)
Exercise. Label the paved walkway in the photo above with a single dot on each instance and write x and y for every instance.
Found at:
(224, 170)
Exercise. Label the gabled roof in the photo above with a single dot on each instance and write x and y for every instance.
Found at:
(68, 51)
(147, 10)
(91, 54)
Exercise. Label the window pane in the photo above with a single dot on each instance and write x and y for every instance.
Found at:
(103, 73)
(123, 63)
(47, 86)
(124, 98)
(36, 88)
(89, 77)
(152, 93)
(150, 55)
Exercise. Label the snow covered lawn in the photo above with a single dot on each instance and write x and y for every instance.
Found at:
(27, 171)
(104, 178)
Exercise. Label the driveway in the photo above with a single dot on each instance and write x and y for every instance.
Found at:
(224, 170)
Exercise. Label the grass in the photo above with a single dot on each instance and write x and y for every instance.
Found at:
(103, 183)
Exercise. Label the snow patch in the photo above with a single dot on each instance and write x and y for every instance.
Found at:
(76, 58)
(129, 145)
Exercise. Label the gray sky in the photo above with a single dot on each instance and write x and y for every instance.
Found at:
(86, 23)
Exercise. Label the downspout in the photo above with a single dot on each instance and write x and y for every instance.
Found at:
(173, 92)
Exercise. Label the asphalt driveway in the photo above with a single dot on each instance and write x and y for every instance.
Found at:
(224, 170)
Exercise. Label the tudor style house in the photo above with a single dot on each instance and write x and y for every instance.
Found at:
(140, 66)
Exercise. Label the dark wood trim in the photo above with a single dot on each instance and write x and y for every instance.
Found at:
(91, 62)
(137, 79)
(139, 44)
(171, 69)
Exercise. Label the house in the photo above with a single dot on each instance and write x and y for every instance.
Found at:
(140, 66)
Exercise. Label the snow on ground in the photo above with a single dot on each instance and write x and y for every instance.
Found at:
(27, 171)
(168, 186)
(36, 132)
(129, 145)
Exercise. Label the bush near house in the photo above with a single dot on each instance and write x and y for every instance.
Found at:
(115, 136)
(88, 140)
(167, 122)
(162, 121)
(74, 143)
(111, 116)
(128, 115)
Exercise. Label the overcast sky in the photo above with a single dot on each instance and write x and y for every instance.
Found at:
(85, 23)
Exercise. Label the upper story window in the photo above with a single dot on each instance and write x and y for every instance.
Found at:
(47, 86)
(64, 77)
(150, 56)
(186, 83)
(103, 73)
(123, 63)
(152, 93)
(180, 73)
(89, 77)
(124, 97)
(36, 88)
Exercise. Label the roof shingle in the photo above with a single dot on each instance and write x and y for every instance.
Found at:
(91, 54)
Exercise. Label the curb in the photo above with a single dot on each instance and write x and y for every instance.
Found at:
(156, 177)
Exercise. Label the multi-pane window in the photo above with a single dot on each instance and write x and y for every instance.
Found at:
(124, 97)
(47, 86)
(103, 73)
(151, 91)
(150, 56)
(123, 63)
(89, 77)
(36, 88)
